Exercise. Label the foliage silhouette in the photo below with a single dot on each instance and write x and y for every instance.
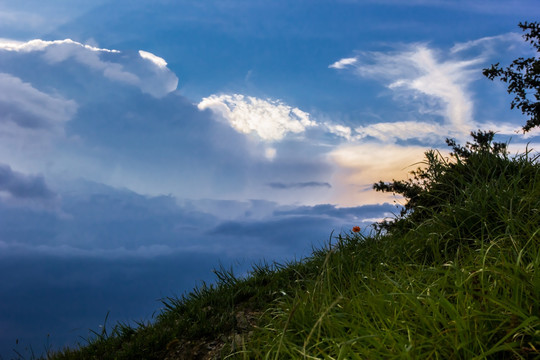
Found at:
(523, 78)
(445, 183)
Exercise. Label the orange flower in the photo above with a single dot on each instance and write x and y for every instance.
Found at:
(356, 229)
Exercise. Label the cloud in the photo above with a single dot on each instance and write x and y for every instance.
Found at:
(339, 130)
(504, 128)
(67, 251)
(102, 222)
(122, 137)
(98, 221)
(277, 237)
(299, 185)
(343, 63)
(39, 45)
(18, 188)
(359, 166)
(443, 80)
(288, 226)
(271, 120)
(489, 44)
(156, 79)
(270, 153)
(146, 71)
(20, 20)
(438, 84)
(355, 213)
(28, 18)
(420, 73)
(401, 130)
(27, 107)
(159, 62)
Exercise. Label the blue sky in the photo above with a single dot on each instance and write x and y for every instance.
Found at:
(143, 143)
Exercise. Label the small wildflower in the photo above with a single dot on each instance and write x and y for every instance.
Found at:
(356, 229)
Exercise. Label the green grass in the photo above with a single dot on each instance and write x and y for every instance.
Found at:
(479, 304)
(454, 278)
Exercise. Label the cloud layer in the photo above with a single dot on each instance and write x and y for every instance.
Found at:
(300, 185)
(104, 222)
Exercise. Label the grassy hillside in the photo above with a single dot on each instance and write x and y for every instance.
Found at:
(454, 277)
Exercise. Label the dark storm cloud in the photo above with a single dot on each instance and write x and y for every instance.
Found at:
(296, 230)
(280, 239)
(101, 221)
(298, 185)
(345, 213)
(22, 186)
(110, 223)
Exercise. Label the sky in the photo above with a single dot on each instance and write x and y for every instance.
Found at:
(145, 143)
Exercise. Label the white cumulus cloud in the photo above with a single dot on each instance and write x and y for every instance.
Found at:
(339, 130)
(341, 64)
(147, 71)
(38, 44)
(156, 60)
(270, 119)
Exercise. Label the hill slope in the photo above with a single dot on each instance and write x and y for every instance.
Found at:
(455, 276)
